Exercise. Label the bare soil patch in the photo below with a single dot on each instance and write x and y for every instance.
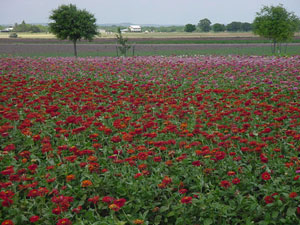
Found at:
(44, 46)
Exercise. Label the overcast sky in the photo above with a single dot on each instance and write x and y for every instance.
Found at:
(162, 12)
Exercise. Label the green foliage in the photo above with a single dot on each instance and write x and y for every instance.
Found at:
(217, 27)
(165, 29)
(239, 26)
(123, 48)
(24, 27)
(189, 28)
(204, 25)
(246, 27)
(276, 24)
(73, 24)
(234, 26)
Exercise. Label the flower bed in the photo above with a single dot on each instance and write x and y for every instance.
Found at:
(150, 140)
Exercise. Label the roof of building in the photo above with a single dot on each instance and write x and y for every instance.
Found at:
(135, 26)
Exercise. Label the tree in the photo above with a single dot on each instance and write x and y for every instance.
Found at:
(204, 25)
(234, 26)
(23, 27)
(276, 24)
(72, 24)
(246, 27)
(217, 27)
(122, 42)
(189, 28)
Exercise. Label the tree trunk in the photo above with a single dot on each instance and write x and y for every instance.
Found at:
(75, 48)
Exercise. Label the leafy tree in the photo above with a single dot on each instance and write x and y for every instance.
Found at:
(35, 29)
(73, 24)
(217, 27)
(23, 27)
(276, 24)
(204, 25)
(189, 28)
(234, 26)
(246, 27)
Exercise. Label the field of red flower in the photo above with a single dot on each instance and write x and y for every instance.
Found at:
(150, 140)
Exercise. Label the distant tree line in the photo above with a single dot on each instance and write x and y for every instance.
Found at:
(24, 27)
(114, 28)
(205, 25)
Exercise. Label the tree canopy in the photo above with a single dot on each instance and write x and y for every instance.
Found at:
(204, 25)
(189, 28)
(217, 27)
(275, 23)
(72, 24)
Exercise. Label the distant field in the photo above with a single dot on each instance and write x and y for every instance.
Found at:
(183, 35)
(42, 44)
(148, 35)
(94, 50)
(29, 35)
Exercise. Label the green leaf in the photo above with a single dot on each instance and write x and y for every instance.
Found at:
(121, 223)
(275, 214)
(172, 213)
(208, 221)
(164, 209)
(157, 219)
(291, 211)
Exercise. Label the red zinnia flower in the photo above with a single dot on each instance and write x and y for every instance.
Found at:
(33, 193)
(196, 163)
(236, 181)
(9, 147)
(186, 200)
(138, 221)
(77, 210)
(231, 173)
(94, 200)
(7, 222)
(266, 176)
(114, 207)
(137, 175)
(56, 211)
(220, 155)
(182, 191)
(7, 202)
(34, 219)
(107, 199)
(293, 195)
(64, 221)
(167, 180)
(269, 199)
(86, 183)
(225, 184)
(32, 167)
(296, 177)
(120, 202)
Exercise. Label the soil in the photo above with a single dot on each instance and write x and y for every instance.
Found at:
(44, 46)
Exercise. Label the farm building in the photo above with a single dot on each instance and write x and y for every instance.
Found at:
(135, 28)
(8, 29)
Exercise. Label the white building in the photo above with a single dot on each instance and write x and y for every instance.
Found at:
(135, 28)
(8, 29)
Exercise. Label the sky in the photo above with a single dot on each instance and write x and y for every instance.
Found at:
(161, 12)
